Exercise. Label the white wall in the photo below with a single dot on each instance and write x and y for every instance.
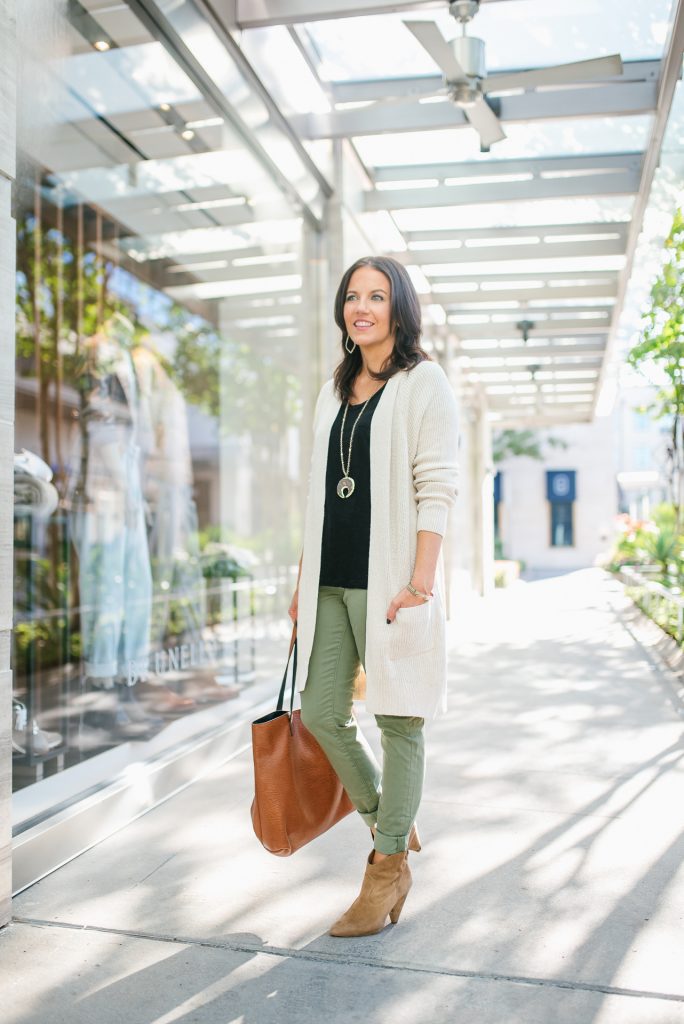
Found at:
(526, 514)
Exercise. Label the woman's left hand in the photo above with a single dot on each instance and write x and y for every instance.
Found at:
(404, 599)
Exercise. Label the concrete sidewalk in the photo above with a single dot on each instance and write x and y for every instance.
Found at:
(550, 887)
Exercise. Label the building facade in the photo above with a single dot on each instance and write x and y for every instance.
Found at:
(559, 512)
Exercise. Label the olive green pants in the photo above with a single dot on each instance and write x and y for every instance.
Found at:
(386, 800)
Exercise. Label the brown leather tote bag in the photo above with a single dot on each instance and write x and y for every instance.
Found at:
(297, 795)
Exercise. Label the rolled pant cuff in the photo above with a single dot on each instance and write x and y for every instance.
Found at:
(370, 817)
(390, 844)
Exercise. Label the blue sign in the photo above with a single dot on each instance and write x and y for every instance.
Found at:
(560, 485)
(497, 487)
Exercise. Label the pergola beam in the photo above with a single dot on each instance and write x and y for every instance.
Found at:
(538, 166)
(532, 353)
(593, 101)
(545, 328)
(439, 235)
(262, 13)
(618, 183)
(233, 273)
(214, 290)
(539, 406)
(412, 86)
(549, 277)
(483, 377)
(531, 251)
(516, 420)
(592, 291)
(529, 389)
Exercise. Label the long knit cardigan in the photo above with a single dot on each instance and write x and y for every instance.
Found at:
(414, 473)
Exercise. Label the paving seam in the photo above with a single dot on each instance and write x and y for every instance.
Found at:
(321, 956)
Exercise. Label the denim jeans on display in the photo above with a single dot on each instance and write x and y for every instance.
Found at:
(115, 580)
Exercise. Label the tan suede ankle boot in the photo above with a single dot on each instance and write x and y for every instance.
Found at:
(384, 890)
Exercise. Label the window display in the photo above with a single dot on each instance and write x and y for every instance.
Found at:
(158, 401)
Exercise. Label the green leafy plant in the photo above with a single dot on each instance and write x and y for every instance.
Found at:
(664, 549)
(508, 444)
(661, 349)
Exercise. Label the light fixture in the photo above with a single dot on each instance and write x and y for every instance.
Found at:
(187, 134)
(525, 326)
(88, 27)
(165, 107)
(211, 204)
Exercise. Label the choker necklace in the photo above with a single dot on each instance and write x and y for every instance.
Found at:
(346, 485)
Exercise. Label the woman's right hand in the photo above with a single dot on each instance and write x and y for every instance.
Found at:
(292, 611)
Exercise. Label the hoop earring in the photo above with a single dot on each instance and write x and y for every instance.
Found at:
(353, 346)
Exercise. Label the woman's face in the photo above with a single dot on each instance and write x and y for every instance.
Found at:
(367, 308)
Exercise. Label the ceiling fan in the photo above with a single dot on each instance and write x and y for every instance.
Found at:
(462, 61)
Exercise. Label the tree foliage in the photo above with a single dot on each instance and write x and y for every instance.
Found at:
(507, 444)
(662, 346)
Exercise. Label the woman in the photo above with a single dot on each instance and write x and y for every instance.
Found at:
(370, 587)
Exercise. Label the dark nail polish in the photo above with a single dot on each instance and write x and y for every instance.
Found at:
(388, 622)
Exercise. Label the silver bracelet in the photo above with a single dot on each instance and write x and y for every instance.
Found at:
(417, 593)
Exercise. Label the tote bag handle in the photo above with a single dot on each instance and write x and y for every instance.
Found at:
(281, 695)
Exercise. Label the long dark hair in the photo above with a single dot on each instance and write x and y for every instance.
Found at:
(404, 313)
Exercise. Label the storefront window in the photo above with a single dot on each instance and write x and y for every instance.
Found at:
(162, 367)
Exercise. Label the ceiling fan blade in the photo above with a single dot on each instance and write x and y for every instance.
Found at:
(485, 122)
(560, 74)
(429, 36)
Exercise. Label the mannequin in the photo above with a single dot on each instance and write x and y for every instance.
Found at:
(167, 487)
(108, 518)
(35, 499)
(172, 518)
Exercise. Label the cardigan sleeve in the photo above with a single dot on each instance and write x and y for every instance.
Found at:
(329, 384)
(435, 466)
(319, 401)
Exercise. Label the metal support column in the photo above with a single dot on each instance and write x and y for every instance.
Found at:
(7, 292)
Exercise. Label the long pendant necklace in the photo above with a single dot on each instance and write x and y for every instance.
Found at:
(346, 485)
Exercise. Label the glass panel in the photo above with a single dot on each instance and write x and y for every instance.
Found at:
(565, 137)
(158, 400)
(519, 214)
(518, 34)
(208, 49)
(272, 49)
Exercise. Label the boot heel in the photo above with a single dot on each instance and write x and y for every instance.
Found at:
(397, 909)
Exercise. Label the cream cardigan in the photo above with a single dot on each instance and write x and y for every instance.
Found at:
(413, 456)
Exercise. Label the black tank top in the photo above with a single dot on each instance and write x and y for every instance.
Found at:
(346, 521)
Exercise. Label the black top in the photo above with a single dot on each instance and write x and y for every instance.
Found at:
(346, 521)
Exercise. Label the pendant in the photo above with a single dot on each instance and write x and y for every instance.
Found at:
(345, 487)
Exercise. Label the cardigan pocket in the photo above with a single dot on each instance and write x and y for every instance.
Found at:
(412, 631)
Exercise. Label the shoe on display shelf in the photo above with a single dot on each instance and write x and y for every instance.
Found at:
(42, 742)
(34, 494)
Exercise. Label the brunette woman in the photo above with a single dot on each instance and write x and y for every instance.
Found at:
(370, 587)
